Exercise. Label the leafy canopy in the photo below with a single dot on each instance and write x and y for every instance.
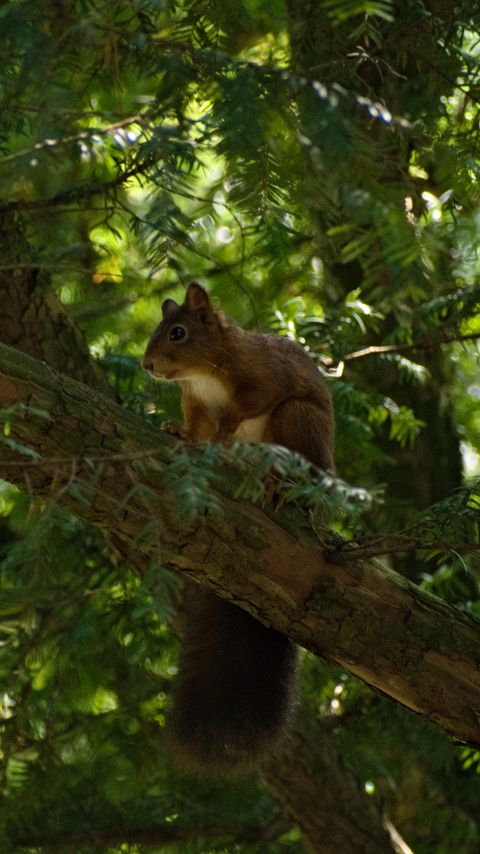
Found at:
(317, 168)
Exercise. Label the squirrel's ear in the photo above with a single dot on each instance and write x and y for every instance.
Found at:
(167, 307)
(196, 297)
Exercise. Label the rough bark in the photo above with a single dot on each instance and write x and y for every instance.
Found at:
(362, 616)
(348, 819)
(33, 319)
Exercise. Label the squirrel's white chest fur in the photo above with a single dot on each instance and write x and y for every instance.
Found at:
(210, 391)
(213, 394)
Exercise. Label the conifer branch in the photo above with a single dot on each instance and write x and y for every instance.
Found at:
(82, 136)
(357, 614)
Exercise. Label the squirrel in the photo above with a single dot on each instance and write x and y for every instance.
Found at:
(236, 678)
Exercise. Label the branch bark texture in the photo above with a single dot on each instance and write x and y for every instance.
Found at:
(348, 819)
(113, 469)
(33, 319)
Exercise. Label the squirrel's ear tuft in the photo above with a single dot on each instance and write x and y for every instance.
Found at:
(168, 306)
(196, 297)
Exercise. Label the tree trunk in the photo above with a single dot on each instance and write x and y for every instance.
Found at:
(33, 319)
(322, 797)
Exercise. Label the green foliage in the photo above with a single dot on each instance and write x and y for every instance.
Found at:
(350, 8)
(316, 166)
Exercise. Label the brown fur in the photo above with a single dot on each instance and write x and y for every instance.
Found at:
(236, 679)
(258, 374)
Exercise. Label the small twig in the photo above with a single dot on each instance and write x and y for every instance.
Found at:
(88, 188)
(385, 349)
(393, 544)
(77, 137)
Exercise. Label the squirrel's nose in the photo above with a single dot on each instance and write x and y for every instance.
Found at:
(147, 365)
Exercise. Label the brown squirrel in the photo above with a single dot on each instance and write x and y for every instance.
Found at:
(235, 687)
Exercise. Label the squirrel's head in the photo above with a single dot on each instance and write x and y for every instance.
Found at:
(183, 345)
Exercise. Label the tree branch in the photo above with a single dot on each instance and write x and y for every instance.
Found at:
(362, 616)
(152, 837)
(386, 544)
(387, 349)
(83, 136)
(84, 190)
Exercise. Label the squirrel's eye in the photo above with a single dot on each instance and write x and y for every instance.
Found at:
(177, 333)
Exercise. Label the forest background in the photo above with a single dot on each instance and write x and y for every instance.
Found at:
(316, 166)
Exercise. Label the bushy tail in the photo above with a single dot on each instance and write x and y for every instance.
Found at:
(235, 687)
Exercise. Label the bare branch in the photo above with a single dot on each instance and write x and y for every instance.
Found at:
(387, 349)
(76, 137)
(396, 544)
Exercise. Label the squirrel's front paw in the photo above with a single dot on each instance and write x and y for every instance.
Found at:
(174, 429)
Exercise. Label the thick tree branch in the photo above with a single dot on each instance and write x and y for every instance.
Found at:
(362, 616)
